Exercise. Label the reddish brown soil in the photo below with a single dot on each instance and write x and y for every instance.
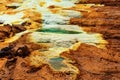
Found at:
(7, 31)
(93, 63)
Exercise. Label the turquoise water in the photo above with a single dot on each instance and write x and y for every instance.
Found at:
(56, 30)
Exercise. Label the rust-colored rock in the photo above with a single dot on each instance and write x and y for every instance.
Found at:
(92, 62)
(95, 63)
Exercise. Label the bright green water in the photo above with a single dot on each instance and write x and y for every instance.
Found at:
(57, 30)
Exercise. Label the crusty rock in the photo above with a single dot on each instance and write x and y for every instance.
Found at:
(95, 63)
(105, 2)
(24, 71)
(8, 31)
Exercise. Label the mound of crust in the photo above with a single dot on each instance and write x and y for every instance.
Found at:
(7, 31)
(24, 71)
(95, 63)
(105, 2)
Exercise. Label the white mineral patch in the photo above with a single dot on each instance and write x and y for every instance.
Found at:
(12, 19)
(65, 40)
(55, 19)
(65, 27)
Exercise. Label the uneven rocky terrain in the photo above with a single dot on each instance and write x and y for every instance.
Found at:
(81, 43)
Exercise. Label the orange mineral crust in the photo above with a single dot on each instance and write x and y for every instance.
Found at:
(59, 40)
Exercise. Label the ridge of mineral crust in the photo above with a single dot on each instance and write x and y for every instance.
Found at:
(59, 40)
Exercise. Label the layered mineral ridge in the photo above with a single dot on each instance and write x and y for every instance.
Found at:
(59, 40)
